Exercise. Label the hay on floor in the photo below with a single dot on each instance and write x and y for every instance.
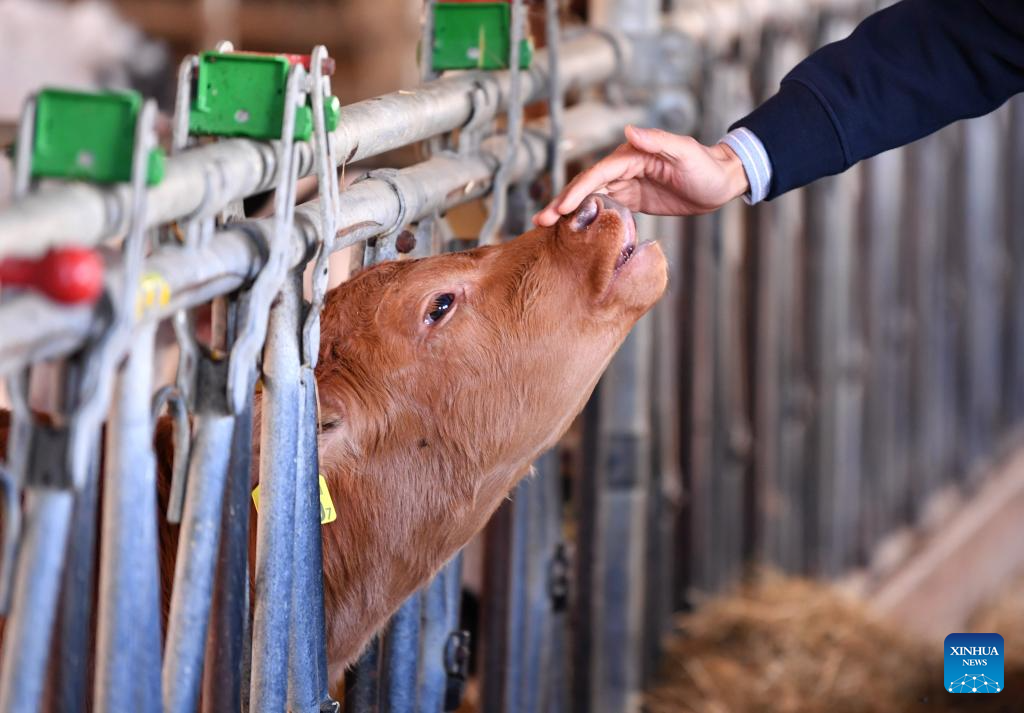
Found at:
(786, 645)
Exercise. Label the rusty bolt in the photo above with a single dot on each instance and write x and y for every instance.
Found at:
(405, 242)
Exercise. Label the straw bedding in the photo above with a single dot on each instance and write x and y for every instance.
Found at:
(786, 645)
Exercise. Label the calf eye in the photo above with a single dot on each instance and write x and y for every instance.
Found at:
(439, 308)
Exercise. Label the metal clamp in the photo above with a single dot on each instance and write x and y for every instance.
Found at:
(556, 97)
(383, 247)
(170, 396)
(484, 99)
(327, 175)
(559, 578)
(499, 187)
(88, 412)
(457, 653)
(253, 322)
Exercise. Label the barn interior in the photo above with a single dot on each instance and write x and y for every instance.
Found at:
(802, 470)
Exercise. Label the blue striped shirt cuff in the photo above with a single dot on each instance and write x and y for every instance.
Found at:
(754, 158)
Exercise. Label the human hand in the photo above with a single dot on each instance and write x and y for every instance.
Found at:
(659, 173)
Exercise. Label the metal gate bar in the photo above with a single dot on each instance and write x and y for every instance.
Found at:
(40, 330)
(782, 393)
(873, 355)
(85, 215)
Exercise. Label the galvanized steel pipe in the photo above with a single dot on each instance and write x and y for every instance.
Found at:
(38, 329)
(204, 180)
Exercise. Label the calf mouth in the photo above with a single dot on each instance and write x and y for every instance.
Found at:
(629, 246)
(626, 269)
(629, 242)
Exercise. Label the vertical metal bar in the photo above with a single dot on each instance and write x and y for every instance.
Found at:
(933, 352)
(307, 678)
(279, 450)
(490, 231)
(400, 658)
(885, 477)
(685, 548)
(613, 533)
(515, 583)
(496, 609)
(198, 545)
(982, 231)
(518, 609)
(223, 683)
(782, 393)
(838, 362)
(441, 603)
(721, 433)
(128, 638)
(540, 520)
(666, 478)
(77, 597)
(1015, 237)
(362, 681)
(26, 644)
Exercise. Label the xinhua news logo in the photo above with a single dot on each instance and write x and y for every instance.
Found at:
(974, 663)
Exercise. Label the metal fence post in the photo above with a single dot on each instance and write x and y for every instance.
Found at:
(279, 452)
(666, 479)
(837, 361)
(982, 234)
(71, 677)
(931, 374)
(307, 678)
(886, 330)
(608, 643)
(782, 394)
(443, 648)
(720, 431)
(1015, 237)
(227, 645)
(129, 630)
(26, 645)
(199, 541)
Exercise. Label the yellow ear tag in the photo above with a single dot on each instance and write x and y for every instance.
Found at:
(327, 511)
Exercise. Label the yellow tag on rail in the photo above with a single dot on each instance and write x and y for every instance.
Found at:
(327, 511)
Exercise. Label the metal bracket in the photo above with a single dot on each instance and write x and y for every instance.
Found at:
(327, 175)
(457, 652)
(499, 187)
(383, 247)
(484, 102)
(556, 96)
(172, 397)
(559, 570)
(88, 411)
(253, 322)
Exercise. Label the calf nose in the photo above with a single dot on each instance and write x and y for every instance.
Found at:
(592, 206)
(587, 213)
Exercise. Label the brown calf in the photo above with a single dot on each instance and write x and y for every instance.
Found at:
(440, 381)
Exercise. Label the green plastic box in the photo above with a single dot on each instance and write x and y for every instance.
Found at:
(242, 94)
(89, 136)
(475, 36)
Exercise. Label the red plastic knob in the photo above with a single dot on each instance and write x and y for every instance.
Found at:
(327, 68)
(69, 275)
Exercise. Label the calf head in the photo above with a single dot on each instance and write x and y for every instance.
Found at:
(440, 381)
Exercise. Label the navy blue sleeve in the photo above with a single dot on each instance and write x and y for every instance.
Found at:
(905, 72)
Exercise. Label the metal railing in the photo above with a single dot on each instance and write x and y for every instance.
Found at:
(820, 367)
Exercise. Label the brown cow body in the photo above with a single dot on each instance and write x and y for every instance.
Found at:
(440, 381)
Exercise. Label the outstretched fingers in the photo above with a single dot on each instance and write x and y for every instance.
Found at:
(623, 163)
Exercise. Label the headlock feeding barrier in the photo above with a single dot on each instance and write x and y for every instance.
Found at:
(822, 367)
